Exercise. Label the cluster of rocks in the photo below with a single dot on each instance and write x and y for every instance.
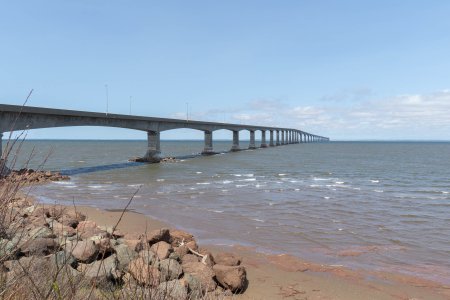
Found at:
(30, 176)
(170, 159)
(163, 261)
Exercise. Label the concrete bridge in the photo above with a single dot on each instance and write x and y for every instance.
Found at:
(17, 118)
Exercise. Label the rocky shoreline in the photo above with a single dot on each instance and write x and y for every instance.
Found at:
(164, 262)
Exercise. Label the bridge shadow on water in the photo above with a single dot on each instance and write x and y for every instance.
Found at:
(92, 169)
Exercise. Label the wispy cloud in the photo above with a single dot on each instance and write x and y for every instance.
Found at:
(409, 116)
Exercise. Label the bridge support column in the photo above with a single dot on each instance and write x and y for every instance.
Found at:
(271, 144)
(208, 149)
(282, 142)
(263, 139)
(252, 140)
(278, 138)
(153, 154)
(1, 145)
(235, 146)
(290, 137)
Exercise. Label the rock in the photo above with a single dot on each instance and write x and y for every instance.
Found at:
(203, 273)
(232, 278)
(194, 286)
(103, 270)
(170, 269)
(208, 259)
(41, 232)
(143, 273)
(227, 259)
(62, 258)
(189, 258)
(192, 245)
(173, 290)
(71, 219)
(61, 229)
(179, 236)
(175, 256)
(158, 235)
(181, 250)
(148, 256)
(83, 251)
(124, 256)
(104, 245)
(161, 249)
(39, 246)
(135, 245)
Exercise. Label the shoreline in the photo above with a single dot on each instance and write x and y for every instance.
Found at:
(282, 276)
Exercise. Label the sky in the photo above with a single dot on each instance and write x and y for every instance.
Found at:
(348, 70)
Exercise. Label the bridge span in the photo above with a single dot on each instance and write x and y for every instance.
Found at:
(18, 118)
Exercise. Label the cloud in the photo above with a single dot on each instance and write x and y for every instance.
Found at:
(408, 116)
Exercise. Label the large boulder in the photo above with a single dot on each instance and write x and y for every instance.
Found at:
(41, 232)
(194, 286)
(104, 270)
(170, 269)
(171, 290)
(232, 278)
(227, 259)
(203, 273)
(62, 258)
(161, 249)
(189, 258)
(143, 273)
(178, 236)
(83, 251)
(124, 256)
(157, 235)
(39, 246)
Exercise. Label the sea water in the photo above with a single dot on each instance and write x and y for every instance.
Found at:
(366, 205)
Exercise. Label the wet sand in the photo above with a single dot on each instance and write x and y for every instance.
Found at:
(288, 277)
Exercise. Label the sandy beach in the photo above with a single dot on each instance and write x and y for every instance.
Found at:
(288, 277)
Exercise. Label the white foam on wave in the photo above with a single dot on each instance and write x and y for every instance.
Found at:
(227, 181)
(95, 186)
(374, 181)
(237, 175)
(357, 188)
(248, 179)
(241, 185)
(339, 182)
(314, 185)
(192, 188)
(198, 172)
(444, 192)
(160, 180)
(378, 191)
(321, 179)
(258, 220)
(203, 183)
(293, 181)
(326, 197)
(81, 161)
(62, 182)
(248, 175)
(282, 174)
(134, 185)
(224, 191)
(297, 190)
(216, 211)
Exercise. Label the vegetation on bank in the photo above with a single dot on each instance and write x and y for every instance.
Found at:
(54, 252)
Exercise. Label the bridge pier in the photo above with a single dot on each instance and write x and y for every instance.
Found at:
(278, 138)
(1, 145)
(282, 138)
(153, 154)
(252, 140)
(263, 139)
(271, 144)
(235, 146)
(208, 149)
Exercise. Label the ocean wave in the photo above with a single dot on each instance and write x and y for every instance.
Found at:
(227, 181)
(95, 186)
(203, 183)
